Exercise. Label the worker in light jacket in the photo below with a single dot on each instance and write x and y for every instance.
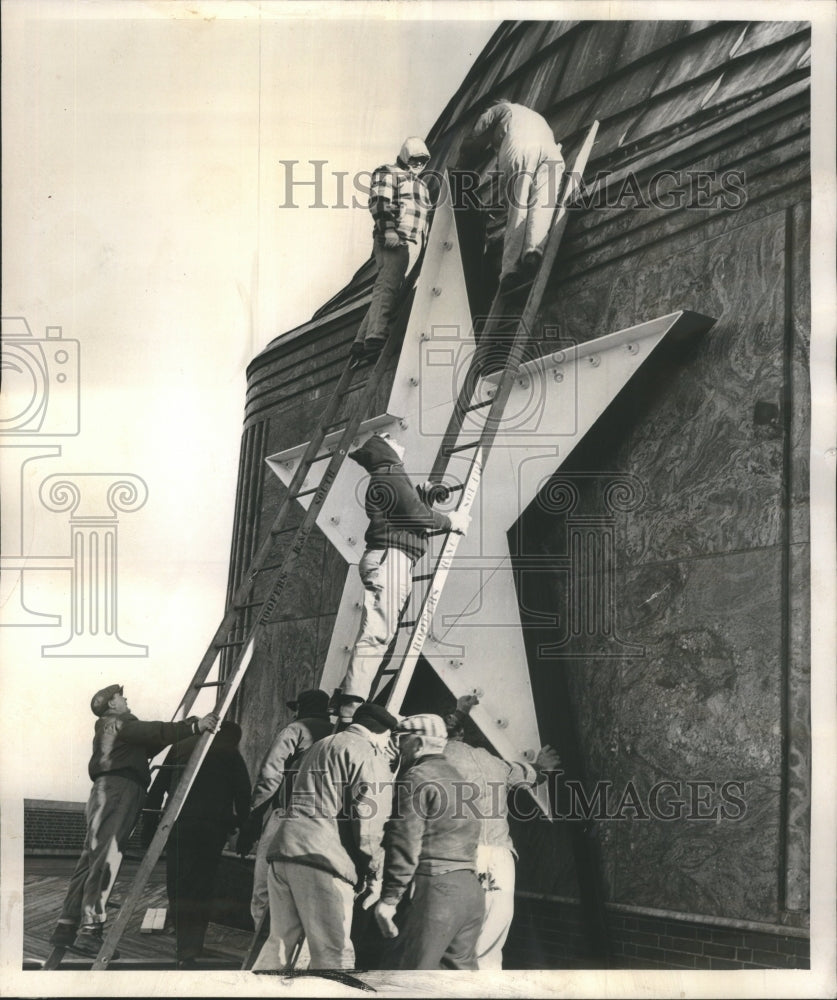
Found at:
(491, 779)
(396, 538)
(272, 791)
(327, 846)
(400, 204)
(118, 768)
(531, 166)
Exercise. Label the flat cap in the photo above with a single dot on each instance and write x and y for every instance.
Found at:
(99, 701)
(374, 717)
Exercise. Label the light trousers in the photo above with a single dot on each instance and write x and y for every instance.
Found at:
(499, 909)
(259, 899)
(532, 175)
(387, 577)
(313, 902)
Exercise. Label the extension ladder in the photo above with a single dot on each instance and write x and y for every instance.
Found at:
(261, 589)
(495, 333)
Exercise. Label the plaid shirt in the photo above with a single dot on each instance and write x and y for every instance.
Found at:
(399, 200)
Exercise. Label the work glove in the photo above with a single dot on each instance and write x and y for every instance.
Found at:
(466, 702)
(392, 240)
(459, 521)
(384, 917)
(547, 759)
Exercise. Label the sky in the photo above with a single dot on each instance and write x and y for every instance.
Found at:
(144, 214)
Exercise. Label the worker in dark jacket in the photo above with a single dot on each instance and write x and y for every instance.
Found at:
(118, 768)
(430, 843)
(218, 802)
(272, 791)
(399, 521)
(399, 201)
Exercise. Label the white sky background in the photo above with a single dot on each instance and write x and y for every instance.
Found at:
(142, 183)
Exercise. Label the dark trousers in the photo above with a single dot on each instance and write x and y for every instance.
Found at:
(440, 924)
(192, 858)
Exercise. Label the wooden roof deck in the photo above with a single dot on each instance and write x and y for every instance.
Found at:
(45, 881)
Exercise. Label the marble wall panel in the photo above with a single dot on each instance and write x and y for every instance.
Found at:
(701, 705)
(283, 663)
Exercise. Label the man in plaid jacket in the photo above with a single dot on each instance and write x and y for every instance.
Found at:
(399, 201)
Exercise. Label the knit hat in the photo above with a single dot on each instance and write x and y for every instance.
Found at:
(309, 702)
(431, 728)
(374, 717)
(99, 701)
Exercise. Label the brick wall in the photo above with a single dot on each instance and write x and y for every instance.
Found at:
(52, 827)
(549, 933)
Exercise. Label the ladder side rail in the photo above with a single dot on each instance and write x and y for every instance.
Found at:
(230, 686)
(490, 428)
(173, 806)
(533, 302)
(421, 628)
(245, 588)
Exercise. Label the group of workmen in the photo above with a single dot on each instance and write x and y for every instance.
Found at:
(400, 817)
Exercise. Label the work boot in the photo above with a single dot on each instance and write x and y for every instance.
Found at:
(515, 282)
(63, 935)
(89, 941)
(531, 262)
(372, 347)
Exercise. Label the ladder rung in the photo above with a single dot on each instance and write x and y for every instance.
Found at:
(462, 447)
(305, 493)
(248, 604)
(479, 406)
(322, 458)
(210, 684)
(355, 386)
(230, 642)
(408, 624)
(423, 576)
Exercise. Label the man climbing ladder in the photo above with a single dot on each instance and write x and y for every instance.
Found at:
(399, 520)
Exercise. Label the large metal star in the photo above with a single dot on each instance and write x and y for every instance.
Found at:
(476, 642)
